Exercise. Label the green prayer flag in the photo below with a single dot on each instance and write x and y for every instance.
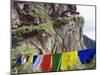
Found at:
(56, 61)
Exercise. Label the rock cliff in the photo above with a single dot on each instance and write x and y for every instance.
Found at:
(51, 28)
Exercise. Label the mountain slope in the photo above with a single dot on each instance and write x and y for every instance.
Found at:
(89, 43)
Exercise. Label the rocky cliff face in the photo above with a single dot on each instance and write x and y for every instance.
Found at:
(48, 27)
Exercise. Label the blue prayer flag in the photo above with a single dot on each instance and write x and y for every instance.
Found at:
(87, 55)
(18, 60)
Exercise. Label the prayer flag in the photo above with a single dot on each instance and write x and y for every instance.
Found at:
(68, 60)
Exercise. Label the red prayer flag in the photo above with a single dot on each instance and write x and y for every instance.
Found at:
(46, 63)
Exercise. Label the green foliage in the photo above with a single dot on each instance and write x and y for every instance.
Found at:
(40, 12)
(47, 27)
(25, 48)
(61, 21)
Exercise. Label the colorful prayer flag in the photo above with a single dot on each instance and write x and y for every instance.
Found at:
(46, 63)
(87, 55)
(18, 60)
(56, 61)
(23, 58)
(36, 61)
(68, 60)
(30, 58)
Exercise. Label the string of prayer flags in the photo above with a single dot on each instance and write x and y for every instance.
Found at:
(56, 62)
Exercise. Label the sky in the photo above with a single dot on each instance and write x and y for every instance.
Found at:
(88, 12)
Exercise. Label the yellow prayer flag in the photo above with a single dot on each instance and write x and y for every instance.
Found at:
(30, 58)
(68, 60)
